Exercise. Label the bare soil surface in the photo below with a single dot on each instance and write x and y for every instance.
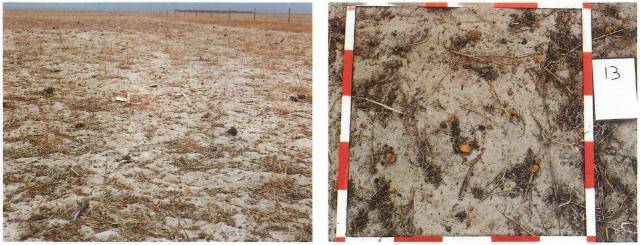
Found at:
(615, 32)
(488, 137)
(212, 142)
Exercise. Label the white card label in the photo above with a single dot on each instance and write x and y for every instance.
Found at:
(614, 89)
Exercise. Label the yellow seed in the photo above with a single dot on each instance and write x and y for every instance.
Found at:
(537, 57)
(390, 158)
(608, 30)
(392, 190)
(464, 148)
(534, 168)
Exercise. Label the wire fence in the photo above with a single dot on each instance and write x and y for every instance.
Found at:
(256, 16)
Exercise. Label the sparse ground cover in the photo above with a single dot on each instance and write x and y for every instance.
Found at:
(213, 141)
(615, 33)
(489, 141)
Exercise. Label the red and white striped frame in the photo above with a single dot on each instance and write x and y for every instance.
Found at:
(589, 151)
(345, 123)
(589, 168)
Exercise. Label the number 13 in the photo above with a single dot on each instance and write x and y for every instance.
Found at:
(606, 74)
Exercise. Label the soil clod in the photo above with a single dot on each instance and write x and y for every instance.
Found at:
(232, 131)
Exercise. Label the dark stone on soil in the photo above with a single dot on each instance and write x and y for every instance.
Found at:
(233, 131)
(48, 91)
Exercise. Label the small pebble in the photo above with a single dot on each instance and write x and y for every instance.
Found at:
(233, 131)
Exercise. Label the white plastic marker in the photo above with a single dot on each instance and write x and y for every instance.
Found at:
(614, 81)
(589, 177)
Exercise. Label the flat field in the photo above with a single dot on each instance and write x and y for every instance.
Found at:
(169, 127)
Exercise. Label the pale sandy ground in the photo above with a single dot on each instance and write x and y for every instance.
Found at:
(426, 173)
(163, 165)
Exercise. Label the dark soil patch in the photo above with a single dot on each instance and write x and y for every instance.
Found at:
(521, 174)
(570, 205)
(485, 71)
(470, 39)
(528, 20)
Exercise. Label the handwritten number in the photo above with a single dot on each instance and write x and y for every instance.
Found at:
(606, 73)
(615, 72)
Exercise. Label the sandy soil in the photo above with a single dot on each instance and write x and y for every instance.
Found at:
(489, 141)
(166, 164)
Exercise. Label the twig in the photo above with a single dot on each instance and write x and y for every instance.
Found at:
(528, 187)
(476, 112)
(495, 95)
(541, 219)
(74, 171)
(183, 231)
(437, 87)
(474, 57)
(187, 98)
(606, 35)
(559, 80)
(423, 40)
(465, 182)
(516, 222)
(380, 104)
(82, 205)
(566, 202)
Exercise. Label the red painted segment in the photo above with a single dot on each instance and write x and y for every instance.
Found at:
(418, 239)
(347, 72)
(587, 5)
(436, 5)
(515, 238)
(516, 5)
(589, 166)
(587, 73)
(343, 166)
(591, 238)
(341, 239)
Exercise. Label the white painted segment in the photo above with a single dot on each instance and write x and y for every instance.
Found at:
(454, 4)
(588, 118)
(586, 30)
(590, 200)
(341, 214)
(467, 239)
(559, 5)
(564, 239)
(369, 239)
(345, 119)
(378, 4)
(350, 28)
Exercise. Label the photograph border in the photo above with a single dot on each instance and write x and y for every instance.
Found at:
(588, 139)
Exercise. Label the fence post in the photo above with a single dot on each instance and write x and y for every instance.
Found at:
(211, 13)
(289, 18)
(229, 14)
(254, 15)
(196, 12)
